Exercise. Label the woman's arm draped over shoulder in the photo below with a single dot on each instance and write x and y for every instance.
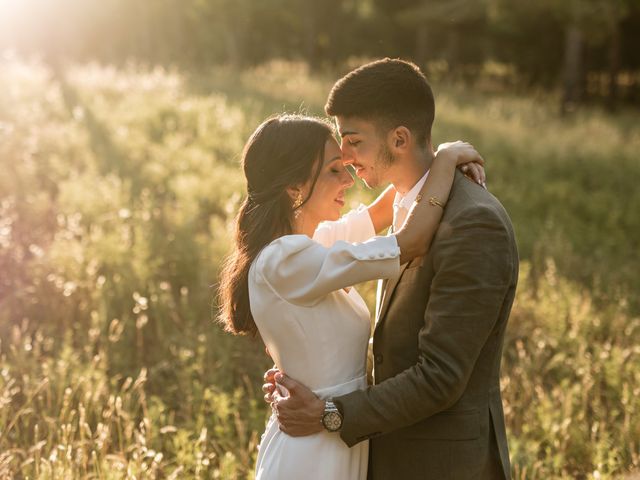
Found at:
(359, 224)
(364, 222)
(353, 227)
(381, 209)
(424, 217)
(302, 271)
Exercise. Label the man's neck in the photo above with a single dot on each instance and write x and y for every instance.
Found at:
(407, 174)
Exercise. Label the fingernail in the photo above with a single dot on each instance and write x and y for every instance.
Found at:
(278, 377)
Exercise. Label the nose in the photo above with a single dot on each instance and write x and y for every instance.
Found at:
(347, 179)
(347, 153)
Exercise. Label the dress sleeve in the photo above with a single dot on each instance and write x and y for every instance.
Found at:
(352, 227)
(301, 271)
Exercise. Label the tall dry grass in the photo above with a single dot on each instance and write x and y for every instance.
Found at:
(117, 193)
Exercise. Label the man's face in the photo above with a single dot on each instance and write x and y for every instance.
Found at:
(364, 147)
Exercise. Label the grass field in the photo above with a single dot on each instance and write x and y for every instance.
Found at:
(117, 192)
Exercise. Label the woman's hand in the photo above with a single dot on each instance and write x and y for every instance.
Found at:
(466, 158)
(269, 386)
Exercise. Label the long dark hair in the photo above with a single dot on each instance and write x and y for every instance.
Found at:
(285, 150)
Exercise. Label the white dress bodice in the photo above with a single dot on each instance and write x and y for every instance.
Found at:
(317, 332)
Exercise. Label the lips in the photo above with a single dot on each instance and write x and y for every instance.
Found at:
(340, 199)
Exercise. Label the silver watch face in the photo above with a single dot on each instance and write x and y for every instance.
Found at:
(332, 421)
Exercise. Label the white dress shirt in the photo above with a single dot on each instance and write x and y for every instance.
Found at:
(401, 206)
(402, 203)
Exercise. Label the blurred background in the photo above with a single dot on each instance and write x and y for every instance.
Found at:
(121, 128)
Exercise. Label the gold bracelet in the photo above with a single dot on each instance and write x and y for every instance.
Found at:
(435, 202)
(432, 201)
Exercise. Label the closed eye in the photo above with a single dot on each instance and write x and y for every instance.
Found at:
(336, 165)
(353, 143)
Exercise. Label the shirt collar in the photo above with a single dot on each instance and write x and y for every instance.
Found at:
(407, 200)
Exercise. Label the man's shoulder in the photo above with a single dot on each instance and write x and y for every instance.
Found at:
(469, 200)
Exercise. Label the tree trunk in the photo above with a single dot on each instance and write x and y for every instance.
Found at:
(422, 30)
(572, 69)
(176, 50)
(421, 45)
(311, 37)
(614, 67)
(232, 47)
(144, 36)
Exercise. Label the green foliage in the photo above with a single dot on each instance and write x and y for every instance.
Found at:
(465, 34)
(117, 197)
(115, 206)
(571, 377)
(567, 183)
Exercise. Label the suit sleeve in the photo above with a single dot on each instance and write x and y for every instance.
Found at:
(302, 271)
(352, 227)
(472, 276)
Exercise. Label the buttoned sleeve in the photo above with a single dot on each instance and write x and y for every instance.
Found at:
(302, 272)
(355, 226)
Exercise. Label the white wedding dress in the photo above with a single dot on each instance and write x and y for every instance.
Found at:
(317, 333)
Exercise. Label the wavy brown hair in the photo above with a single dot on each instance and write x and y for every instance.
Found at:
(285, 150)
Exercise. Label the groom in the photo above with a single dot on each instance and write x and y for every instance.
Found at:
(434, 411)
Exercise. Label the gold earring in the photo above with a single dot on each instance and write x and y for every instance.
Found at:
(296, 205)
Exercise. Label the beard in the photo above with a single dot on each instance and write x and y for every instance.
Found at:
(376, 173)
(385, 157)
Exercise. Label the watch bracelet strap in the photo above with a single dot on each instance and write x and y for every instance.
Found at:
(329, 406)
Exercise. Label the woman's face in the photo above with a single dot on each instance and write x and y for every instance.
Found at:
(327, 199)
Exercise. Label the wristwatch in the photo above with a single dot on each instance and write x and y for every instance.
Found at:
(331, 418)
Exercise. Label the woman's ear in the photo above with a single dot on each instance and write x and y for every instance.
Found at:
(294, 192)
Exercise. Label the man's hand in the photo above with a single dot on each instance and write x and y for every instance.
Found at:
(300, 413)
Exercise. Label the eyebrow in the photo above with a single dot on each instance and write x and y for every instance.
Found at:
(337, 157)
(347, 133)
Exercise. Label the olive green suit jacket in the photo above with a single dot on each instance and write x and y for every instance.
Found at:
(435, 411)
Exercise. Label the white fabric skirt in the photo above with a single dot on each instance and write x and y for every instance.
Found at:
(319, 456)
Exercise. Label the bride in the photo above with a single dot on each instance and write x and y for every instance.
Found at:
(290, 276)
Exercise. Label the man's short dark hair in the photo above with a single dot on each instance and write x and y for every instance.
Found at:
(389, 92)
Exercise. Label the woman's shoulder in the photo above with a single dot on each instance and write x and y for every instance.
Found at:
(288, 244)
(282, 247)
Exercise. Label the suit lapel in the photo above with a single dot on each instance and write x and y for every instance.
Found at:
(382, 288)
(390, 286)
(388, 292)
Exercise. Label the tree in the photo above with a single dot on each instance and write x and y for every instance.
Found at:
(584, 24)
(450, 20)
